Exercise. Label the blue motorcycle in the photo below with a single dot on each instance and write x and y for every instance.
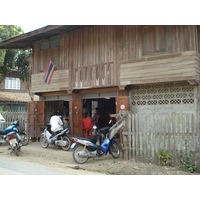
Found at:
(85, 148)
(13, 128)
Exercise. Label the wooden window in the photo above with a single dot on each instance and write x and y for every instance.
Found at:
(50, 44)
(55, 43)
(44, 45)
(49, 50)
(154, 39)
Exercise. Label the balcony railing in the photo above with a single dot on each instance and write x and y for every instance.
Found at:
(94, 76)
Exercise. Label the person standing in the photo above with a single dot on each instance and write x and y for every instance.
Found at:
(87, 125)
(97, 118)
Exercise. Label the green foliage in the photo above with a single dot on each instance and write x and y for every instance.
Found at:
(9, 31)
(187, 160)
(7, 57)
(23, 64)
(165, 157)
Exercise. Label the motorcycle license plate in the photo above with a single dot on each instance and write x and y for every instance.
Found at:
(13, 141)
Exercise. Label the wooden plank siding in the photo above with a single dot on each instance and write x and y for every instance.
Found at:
(93, 51)
(59, 82)
(173, 67)
(119, 51)
(182, 38)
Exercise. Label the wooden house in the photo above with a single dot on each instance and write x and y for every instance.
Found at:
(151, 69)
(14, 99)
(13, 93)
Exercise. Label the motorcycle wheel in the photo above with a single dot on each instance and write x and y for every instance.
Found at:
(16, 151)
(43, 141)
(114, 150)
(67, 147)
(25, 139)
(78, 158)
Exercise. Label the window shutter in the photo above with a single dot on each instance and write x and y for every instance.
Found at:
(154, 39)
(160, 39)
(147, 40)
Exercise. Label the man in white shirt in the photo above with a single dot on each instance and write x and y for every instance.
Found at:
(56, 123)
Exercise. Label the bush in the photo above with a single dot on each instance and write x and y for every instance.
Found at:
(187, 160)
(165, 157)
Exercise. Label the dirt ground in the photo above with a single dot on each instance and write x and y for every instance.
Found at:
(60, 159)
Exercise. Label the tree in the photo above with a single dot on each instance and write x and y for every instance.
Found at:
(7, 57)
(23, 64)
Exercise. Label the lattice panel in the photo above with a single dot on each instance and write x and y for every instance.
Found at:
(51, 106)
(162, 94)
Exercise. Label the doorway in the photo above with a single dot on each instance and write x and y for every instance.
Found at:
(106, 107)
(61, 106)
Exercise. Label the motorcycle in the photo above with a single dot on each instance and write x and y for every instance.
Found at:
(100, 133)
(3, 136)
(85, 148)
(60, 139)
(15, 144)
(21, 135)
(14, 137)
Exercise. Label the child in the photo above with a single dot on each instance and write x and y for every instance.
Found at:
(66, 123)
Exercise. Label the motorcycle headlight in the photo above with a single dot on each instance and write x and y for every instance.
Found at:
(94, 127)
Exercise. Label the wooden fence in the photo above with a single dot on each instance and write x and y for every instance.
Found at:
(12, 116)
(144, 134)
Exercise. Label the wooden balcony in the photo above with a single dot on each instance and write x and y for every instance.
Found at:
(167, 67)
(59, 82)
(101, 75)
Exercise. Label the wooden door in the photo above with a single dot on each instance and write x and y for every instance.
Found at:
(31, 117)
(39, 117)
(122, 104)
(77, 115)
(35, 118)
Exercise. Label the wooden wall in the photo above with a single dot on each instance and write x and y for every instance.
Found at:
(14, 74)
(91, 46)
(182, 38)
(87, 46)
(59, 82)
(161, 68)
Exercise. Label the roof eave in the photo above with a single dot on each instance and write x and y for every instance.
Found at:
(25, 41)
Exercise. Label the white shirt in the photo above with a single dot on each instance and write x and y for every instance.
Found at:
(56, 123)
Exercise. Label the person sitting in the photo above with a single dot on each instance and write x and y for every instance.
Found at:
(87, 125)
(56, 123)
(66, 123)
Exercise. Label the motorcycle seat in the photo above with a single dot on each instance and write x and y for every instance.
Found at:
(91, 139)
(2, 132)
(99, 147)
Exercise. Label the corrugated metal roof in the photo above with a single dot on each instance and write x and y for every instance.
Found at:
(16, 97)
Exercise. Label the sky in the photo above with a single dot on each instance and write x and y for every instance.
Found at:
(127, 12)
(28, 28)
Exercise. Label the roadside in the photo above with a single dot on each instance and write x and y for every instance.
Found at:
(61, 160)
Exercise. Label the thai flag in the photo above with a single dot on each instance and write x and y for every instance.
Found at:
(49, 73)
